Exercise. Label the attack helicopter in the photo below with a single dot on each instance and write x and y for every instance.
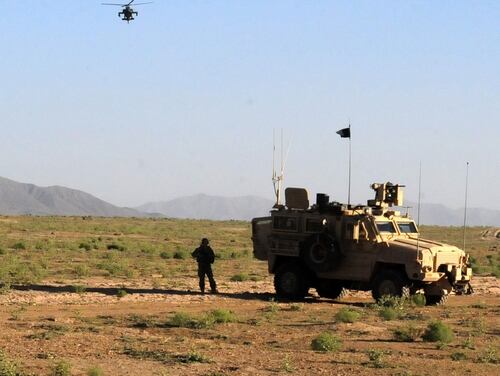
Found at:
(127, 13)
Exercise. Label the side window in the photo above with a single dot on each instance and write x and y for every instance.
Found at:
(285, 223)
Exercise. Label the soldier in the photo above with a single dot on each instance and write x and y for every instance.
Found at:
(205, 256)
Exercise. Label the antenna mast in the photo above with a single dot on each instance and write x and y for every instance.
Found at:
(465, 204)
(418, 205)
(277, 179)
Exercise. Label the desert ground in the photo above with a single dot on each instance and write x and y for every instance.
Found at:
(98, 296)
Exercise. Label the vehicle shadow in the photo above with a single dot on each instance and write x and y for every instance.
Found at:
(114, 291)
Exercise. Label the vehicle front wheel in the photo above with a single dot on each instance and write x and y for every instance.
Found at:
(291, 282)
(390, 282)
(431, 300)
(331, 289)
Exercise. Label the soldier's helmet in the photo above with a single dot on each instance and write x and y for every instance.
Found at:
(204, 241)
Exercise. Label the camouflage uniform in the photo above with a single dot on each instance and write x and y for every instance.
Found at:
(205, 257)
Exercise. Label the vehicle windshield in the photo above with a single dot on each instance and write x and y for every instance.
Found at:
(407, 227)
(385, 226)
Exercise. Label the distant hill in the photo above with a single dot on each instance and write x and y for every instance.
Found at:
(203, 206)
(20, 199)
(438, 214)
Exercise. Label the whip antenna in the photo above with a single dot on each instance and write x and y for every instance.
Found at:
(278, 179)
(418, 205)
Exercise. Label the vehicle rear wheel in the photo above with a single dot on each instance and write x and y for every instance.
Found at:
(431, 300)
(390, 282)
(321, 253)
(331, 289)
(291, 282)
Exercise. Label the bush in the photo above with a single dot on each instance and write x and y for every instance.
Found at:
(121, 293)
(456, 356)
(82, 270)
(193, 357)
(180, 255)
(79, 289)
(222, 316)
(409, 333)
(182, 320)
(7, 366)
(326, 342)
(95, 371)
(240, 277)
(418, 300)
(85, 246)
(347, 315)
(61, 368)
(19, 246)
(165, 255)
(489, 355)
(395, 302)
(376, 358)
(115, 246)
(437, 331)
(389, 313)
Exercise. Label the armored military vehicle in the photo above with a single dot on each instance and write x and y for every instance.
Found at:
(333, 247)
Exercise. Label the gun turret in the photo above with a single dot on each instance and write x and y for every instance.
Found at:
(386, 195)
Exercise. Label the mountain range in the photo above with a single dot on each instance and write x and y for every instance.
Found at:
(28, 199)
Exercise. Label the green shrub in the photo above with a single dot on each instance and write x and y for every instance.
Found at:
(95, 371)
(395, 302)
(326, 342)
(437, 331)
(222, 316)
(489, 355)
(389, 313)
(19, 246)
(376, 358)
(165, 255)
(79, 289)
(409, 333)
(193, 357)
(117, 247)
(7, 366)
(2, 251)
(121, 293)
(85, 246)
(240, 277)
(180, 255)
(61, 368)
(82, 271)
(347, 315)
(457, 356)
(182, 320)
(418, 300)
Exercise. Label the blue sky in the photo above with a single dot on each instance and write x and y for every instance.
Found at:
(184, 99)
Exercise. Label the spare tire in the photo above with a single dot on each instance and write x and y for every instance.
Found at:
(321, 253)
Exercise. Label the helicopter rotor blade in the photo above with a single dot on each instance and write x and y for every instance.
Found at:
(130, 3)
(149, 2)
(118, 5)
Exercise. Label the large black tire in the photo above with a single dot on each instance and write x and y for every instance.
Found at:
(432, 300)
(331, 289)
(321, 253)
(291, 282)
(390, 282)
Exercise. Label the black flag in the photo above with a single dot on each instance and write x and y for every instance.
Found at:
(345, 133)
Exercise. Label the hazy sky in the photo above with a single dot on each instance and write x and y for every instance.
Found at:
(184, 99)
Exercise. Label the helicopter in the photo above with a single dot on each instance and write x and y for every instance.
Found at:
(127, 14)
